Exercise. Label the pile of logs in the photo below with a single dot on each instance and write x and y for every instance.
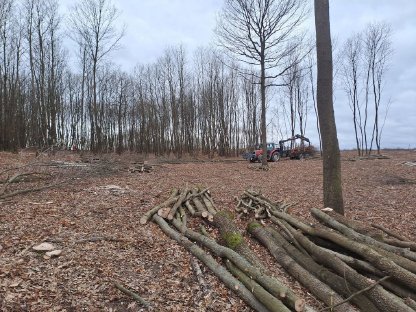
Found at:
(252, 201)
(140, 167)
(196, 201)
(343, 263)
(356, 262)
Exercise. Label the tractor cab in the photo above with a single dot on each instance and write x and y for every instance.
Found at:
(272, 152)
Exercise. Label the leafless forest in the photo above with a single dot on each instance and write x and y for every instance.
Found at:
(185, 102)
(126, 190)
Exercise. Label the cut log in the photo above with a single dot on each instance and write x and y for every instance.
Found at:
(359, 265)
(396, 289)
(389, 232)
(148, 215)
(375, 232)
(271, 284)
(198, 273)
(163, 212)
(319, 289)
(226, 277)
(333, 280)
(203, 214)
(178, 203)
(200, 207)
(259, 200)
(381, 262)
(208, 203)
(183, 219)
(399, 243)
(382, 299)
(290, 237)
(350, 233)
(232, 237)
(269, 301)
(411, 303)
(401, 261)
(356, 226)
(190, 208)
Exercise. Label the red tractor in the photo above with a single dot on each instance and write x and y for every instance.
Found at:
(297, 149)
(273, 153)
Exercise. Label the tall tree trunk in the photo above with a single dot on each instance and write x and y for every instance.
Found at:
(330, 149)
(263, 114)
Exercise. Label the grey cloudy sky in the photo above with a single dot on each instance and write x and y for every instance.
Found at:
(152, 25)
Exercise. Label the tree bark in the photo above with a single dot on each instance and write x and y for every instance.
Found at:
(382, 299)
(271, 284)
(178, 204)
(148, 215)
(230, 281)
(358, 237)
(233, 238)
(319, 289)
(269, 301)
(380, 260)
(198, 204)
(208, 203)
(330, 150)
(331, 279)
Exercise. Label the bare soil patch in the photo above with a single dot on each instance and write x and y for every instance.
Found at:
(94, 218)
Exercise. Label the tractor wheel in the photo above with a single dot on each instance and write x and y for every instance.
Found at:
(275, 157)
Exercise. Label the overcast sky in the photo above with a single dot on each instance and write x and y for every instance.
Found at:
(152, 25)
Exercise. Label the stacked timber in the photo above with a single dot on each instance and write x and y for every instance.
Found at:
(345, 264)
(140, 167)
(254, 202)
(196, 201)
(371, 267)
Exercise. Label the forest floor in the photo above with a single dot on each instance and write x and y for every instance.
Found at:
(93, 216)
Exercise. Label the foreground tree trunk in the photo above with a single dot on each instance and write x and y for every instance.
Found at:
(330, 149)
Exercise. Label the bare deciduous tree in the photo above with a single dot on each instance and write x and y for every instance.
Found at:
(351, 75)
(364, 64)
(330, 150)
(377, 49)
(93, 28)
(257, 33)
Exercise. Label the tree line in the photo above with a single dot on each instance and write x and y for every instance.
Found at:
(181, 104)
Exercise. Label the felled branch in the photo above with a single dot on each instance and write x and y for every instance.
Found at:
(131, 294)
